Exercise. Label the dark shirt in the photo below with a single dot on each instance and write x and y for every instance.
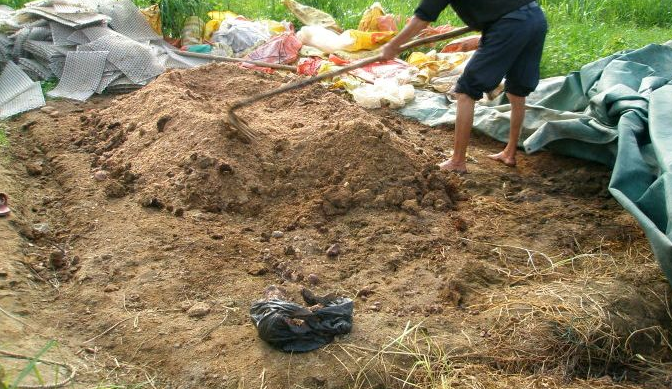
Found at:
(477, 14)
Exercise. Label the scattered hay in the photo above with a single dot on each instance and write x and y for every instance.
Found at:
(559, 322)
(418, 360)
(574, 317)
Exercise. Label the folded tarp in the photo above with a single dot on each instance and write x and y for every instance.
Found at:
(616, 111)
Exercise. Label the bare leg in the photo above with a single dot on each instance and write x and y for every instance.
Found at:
(463, 123)
(508, 155)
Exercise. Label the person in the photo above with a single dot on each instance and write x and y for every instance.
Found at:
(513, 34)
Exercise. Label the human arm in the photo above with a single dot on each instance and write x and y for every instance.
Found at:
(413, 28)
(428, 11)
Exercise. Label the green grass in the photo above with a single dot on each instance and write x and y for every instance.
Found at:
(31, 367)
(175, 12)
(4, 142)
(581, 31)
(36, 367)
(572, 45)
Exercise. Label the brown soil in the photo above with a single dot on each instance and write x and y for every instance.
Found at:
(133, 209)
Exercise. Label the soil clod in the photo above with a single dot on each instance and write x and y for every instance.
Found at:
(199, 310)
(334, 250)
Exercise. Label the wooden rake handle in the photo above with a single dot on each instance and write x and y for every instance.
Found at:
(305, 82)
(219, 58)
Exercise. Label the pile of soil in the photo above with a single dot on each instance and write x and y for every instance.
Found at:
(173, 147)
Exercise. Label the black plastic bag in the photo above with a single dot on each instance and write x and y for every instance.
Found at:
(291, 327)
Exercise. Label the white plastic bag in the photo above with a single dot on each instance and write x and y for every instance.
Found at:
(384, 92)
(324, 39)
(241, 35)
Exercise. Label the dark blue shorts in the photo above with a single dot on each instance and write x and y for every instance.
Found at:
(511, 47)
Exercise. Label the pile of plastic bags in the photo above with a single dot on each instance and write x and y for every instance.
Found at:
(321, 46)
(318, 47)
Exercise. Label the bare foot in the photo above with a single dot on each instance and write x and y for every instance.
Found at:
(501, 157)
(451, 166)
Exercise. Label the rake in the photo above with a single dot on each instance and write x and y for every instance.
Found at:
(242, 127)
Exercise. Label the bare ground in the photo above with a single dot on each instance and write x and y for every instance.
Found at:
(129, 210)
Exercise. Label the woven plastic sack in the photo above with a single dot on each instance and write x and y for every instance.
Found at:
(153, 16)
(222, 15)
(431, 31)
(277, 28)
(396, 68)
(280, 49)
(311, 16)
(387, 23)
(192, 31)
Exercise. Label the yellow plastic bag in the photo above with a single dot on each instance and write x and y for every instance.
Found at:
(364, 40)
(153, 16)
(210, 28)
(222, 15)
(369, 21)
(348, 56)
(311, 16)
(276, 28)
(418, 59)
(432, 65)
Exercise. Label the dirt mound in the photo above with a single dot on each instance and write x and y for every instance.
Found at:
(172, 147)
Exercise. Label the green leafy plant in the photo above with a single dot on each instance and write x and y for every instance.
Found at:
(48, 85)
(175, 12)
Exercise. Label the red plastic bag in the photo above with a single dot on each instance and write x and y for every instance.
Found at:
(389, 69)
(283, 48)
(309, 66)
(338, 60)
(465, 44)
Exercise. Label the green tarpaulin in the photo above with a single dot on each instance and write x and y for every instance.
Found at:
(616, 111)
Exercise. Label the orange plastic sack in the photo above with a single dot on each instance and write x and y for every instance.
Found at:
(465, 44)
(369, 21)
(387, 23)
(431, 31)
